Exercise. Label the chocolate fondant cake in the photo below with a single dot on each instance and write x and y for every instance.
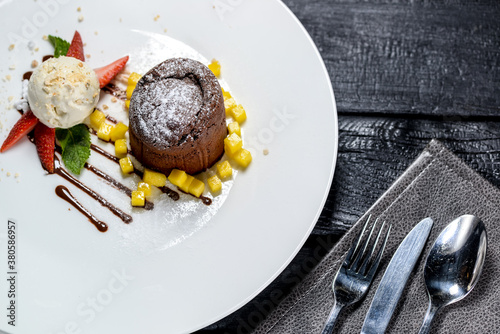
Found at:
(177, 117)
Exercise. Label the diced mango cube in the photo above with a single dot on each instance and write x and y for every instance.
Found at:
(196, 188)
(226, 95)
(154, 178)
(229, 105)
(214, 183)
(126, 165)
(138, 198)
(233, 144)
(177, 177)
(134, 78)
(96, 119)
(239, 113)
(127, 104)
(121, 147)
(130, 90)
(234, 127)
(214, 66)
(145, 188)
(224, 169)
(104, 131)
(185, 185)
(118, 131)
(242, 157)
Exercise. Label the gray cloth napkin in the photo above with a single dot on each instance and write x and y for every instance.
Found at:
(437, 185)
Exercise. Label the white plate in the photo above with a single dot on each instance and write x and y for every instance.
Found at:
(73, 279)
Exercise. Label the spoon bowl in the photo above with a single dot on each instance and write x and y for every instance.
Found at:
(454, 264)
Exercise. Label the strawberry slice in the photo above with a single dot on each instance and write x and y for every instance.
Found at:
(107, 73)
(45, 141)
(23, 126)
(76, 47)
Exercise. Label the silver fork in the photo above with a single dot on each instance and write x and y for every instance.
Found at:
(356, 273)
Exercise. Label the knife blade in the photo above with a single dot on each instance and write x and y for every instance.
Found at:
(395, 277)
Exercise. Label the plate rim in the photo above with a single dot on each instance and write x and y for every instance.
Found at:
(320, 205)
(325, 195)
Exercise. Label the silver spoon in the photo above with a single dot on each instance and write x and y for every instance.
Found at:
(454, 264)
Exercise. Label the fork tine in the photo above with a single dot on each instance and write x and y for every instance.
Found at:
(361, 253)
(364, 265)
(355, 244)
(375, 264)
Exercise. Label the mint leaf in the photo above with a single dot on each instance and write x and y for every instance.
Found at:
(75, 144)
(61, 46)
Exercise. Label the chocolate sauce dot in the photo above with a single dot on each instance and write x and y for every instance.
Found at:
(205, 200)
(27, 75)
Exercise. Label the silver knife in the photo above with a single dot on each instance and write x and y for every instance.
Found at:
(394, 280)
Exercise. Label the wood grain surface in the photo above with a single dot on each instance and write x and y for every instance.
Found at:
(403, 73)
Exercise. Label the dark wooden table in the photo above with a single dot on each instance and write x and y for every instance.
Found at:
(403, 72)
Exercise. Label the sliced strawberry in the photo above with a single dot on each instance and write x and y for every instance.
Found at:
(107, 73)
(45, 141)
(23, 126)
(76, 48)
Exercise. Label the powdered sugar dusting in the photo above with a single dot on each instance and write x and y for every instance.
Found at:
(171, 103)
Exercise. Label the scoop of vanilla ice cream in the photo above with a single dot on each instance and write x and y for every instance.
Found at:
(62, 92)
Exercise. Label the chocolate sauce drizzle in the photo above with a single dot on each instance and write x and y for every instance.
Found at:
(66, 195)
(204, 200)
(64, 174)
(174, 195)
(113, 158)
(111, 119)
(120, 186)
(170, 193)
(115, 91)
(104, 153)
